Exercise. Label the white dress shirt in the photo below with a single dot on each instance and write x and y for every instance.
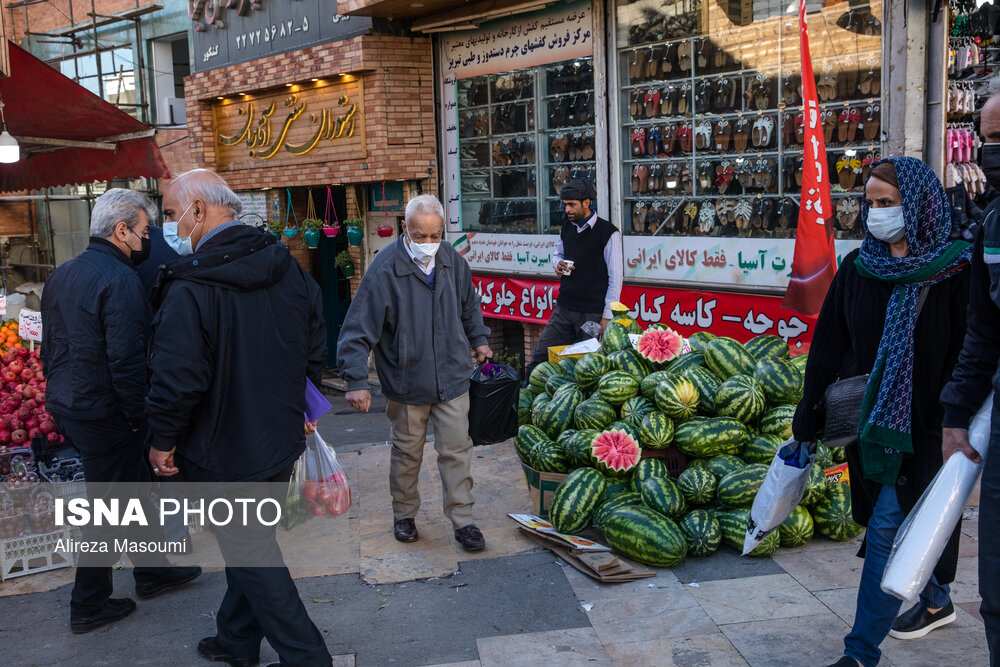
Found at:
(426, 268)
(613, 259)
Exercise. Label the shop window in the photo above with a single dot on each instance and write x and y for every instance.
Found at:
(171, 63)
(523, 134)
(711, 113)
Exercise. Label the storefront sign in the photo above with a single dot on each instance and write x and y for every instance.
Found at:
(235, 31)
(321, 124)
(740, 316)
(516, 253)
(723, 261)
(453, 207)
(524, 41)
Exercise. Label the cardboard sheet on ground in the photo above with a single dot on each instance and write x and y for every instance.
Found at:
(543, 527)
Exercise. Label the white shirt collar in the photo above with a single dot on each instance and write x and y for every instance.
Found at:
(591, 221)
(426, 268)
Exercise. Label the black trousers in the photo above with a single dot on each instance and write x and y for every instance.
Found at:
(989, 542)
(263, 601)
(563, 329)
(110, 452)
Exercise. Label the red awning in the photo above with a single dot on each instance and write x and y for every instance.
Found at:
(47, 113)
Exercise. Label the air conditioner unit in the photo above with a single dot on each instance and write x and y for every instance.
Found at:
(177, 110)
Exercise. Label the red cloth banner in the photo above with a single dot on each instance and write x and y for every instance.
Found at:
(739, 316)
(815, 260)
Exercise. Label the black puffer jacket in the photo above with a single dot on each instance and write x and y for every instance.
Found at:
(239, 328)
(95, 326)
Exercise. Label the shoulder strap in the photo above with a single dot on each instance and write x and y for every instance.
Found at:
(920, 300)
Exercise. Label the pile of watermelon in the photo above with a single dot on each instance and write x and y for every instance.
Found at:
(726, 406)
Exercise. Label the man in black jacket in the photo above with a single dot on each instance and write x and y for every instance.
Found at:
(96, 326)
(588, 260)
(239, 329)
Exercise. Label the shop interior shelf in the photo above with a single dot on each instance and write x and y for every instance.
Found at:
(571, 129)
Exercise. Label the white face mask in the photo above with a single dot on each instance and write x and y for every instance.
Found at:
(886, 224)
(423, 252)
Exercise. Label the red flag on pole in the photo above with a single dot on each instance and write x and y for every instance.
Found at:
(815, 261)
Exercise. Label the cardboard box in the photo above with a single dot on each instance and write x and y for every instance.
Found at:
(838, 474)
(541, 486)
(555, 353)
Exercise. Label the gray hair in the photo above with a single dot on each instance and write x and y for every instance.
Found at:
(424, 205)
(993, 87)
(119, 205)
(213, 191)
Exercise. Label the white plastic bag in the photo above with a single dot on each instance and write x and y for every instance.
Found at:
(780, 493)
(925, 532)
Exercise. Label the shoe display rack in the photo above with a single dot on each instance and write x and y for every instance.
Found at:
(713, 125)
(522, 136)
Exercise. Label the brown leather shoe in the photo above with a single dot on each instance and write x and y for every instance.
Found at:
(405, 530)
(471, 538)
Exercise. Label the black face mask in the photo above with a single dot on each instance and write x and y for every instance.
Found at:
(991, 163)
(141, 255)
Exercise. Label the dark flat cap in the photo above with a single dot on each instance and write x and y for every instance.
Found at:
(578, 188)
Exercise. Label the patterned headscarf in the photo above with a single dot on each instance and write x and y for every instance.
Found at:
(886, 421)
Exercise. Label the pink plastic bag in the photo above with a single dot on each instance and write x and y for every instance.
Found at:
(321, 479)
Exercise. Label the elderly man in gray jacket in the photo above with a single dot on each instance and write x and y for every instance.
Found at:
(417, 309)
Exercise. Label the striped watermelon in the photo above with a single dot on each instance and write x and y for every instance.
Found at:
(661, 494)
(577, 447)
(657, 326)
(541, 375)
(659, 347)
(699, 340)
(628, 427)
(839, 454)
(568, 364)
(614, 453)
(815, 487)
(649, 383)
(647, 468)
(575, 500)
(707, 384)
(778, 421)
(546, 456)
(767, 346)
(733, 524)
(684, 434)
(738, 488)
(614, 338)
(722, 465)
(656, 431)
(740, 397)
(824, 457)
(629, 361)
(527, 437)
(607, 506)
(679, 365)
(645, 536)
(780, 380)
(726, 357)
(677, 398)
(616, 387)
(590, 368)
(832, 515)
(800, 362)
(557, 381)
(557, 415)
(797, 529)
(593, 413)
(537, 405)
(718, 435)
(617, 486)
(702, 532)
(524, 401)
(697, 484)
(762, 449)
(635, 408)
(697, 463)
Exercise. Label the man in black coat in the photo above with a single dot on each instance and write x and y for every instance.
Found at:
(96, 326)
(239, 329)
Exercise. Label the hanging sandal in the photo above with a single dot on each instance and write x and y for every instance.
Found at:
(744, 173)
(638, 141)
(829, 124)
(705, 170)
(588, 146)
(843, 125)
(684, 138)
(741, 133)
(722, 135)
(724, 175)
(653, 184)
(639, 217)
(668, 136)
(853, 120)
(706, 217)
(671, 177)
(742, 214)
(871, 122)
(703, 135)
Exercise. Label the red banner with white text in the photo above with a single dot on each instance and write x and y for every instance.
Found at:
(739, 316)
(815, 260)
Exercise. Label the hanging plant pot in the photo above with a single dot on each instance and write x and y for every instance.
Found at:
(311, 238)
(347, 270)
(291, 232)
(385, 232)
(354, 236)
(331, 231)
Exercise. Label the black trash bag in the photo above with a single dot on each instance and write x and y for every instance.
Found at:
(493, 396)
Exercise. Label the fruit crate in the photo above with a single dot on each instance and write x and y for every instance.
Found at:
(541, 487)
(673, 458)
(28, 554)
(60, 489)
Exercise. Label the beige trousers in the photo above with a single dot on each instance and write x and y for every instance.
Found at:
(454, 447)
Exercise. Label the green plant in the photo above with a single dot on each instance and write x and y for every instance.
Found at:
(276, 227)
(508, 357)
(355, 223)
(343, 260)
(312, 224)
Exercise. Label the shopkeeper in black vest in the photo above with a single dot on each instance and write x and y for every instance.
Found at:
(588, 260)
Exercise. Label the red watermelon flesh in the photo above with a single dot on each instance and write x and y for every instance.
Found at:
(659, 346)
(614, 452)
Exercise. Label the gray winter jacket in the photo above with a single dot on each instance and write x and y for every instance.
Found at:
(421, 336)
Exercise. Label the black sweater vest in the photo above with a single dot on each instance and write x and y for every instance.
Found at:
(583, 291)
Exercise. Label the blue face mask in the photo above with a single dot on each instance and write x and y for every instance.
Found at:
(182, 246)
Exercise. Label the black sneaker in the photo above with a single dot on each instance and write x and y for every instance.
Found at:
(210, 649)
(845, 661)
(917, 622)
(114, 609)
(173, 577)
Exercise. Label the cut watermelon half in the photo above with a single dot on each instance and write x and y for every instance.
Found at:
(614, 452)
(660, 346)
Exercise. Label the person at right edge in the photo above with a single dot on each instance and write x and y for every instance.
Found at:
(589, 286)
(971, 381)
(895, 311)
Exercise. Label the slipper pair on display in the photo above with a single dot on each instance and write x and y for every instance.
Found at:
(848, 213)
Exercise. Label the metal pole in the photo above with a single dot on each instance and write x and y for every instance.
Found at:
(100, 75)
(140, 75)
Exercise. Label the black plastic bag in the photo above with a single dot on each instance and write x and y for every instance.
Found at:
(493, 395)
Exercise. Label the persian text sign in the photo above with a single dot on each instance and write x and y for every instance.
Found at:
(740, 316)
(521, 42)
(723, 261)
(29, 325)
(523, 253)
(320, 124)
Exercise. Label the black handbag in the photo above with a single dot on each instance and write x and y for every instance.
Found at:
(842, 402)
